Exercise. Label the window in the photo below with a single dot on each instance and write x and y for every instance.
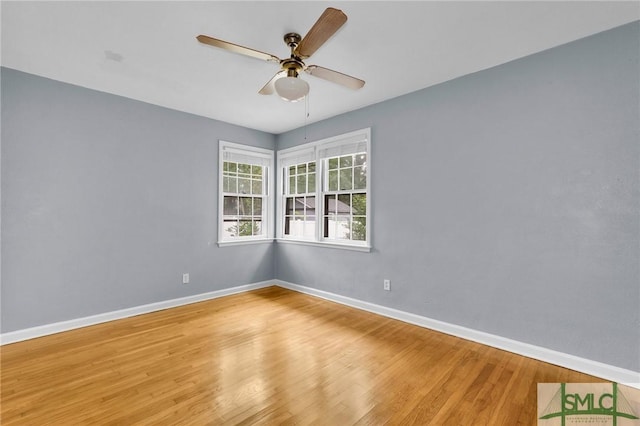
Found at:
(300, 200)
(345, 198)
(324, 195)
(245, 212)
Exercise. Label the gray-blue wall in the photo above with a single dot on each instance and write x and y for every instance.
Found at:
(506, 201)
(107, 201)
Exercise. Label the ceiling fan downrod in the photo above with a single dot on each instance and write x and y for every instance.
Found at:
(293, 65)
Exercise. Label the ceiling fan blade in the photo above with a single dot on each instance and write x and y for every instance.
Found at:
(329, 22)
(236, 48)
(269, 88)
(335, 77)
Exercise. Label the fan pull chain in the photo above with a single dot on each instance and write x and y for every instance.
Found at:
(306, 115)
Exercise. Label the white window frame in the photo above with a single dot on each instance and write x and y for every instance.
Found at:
(239, 153)
(319, 151)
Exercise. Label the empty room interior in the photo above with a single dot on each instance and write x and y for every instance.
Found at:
(326, 213)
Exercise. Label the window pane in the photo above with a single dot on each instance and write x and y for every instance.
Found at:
(230, 167)
(359, 204)
(311, 208)
(230, 228)
(244, 186)
(292, 170)
(302, 184)
(361, 160)
(244, 168)
(346, 161)
(257, 206)
(292, 185)
(245, 228)
(299, 206)
(329, 227)
(256, 186)
(230, 206)
(312, 167)
(312, 183)
(298, 226)
(295, 226)
(359, 228)
(288, 209)
(256, 170)
(245, 206)
(302, 168)
(339, 227)
(329, 204)
(345, 179)
(359, 178)
(310, 227)
(333, 163)
(257, 227)
(287, 225)
(232, 184)
(333, 180)
(344, 204)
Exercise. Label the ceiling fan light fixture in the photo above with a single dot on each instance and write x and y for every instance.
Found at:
(291, 89)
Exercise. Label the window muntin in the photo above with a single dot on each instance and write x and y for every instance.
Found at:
(244, 199)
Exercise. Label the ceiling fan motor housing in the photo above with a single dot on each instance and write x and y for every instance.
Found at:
(292, 66)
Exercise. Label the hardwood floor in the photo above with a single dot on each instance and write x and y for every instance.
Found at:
(270, 356)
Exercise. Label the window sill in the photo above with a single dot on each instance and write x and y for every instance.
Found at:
(352, 247)
(245, 242)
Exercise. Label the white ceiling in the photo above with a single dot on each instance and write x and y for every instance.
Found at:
(146, 50)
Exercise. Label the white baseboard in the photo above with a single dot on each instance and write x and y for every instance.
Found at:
(594, 368)
(58, 327)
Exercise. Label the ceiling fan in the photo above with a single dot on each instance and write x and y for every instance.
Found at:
(286, 82)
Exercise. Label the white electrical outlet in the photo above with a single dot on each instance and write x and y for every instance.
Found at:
(185, 278)
(387, 285)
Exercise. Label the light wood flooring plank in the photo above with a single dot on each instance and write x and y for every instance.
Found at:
(270, 356)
